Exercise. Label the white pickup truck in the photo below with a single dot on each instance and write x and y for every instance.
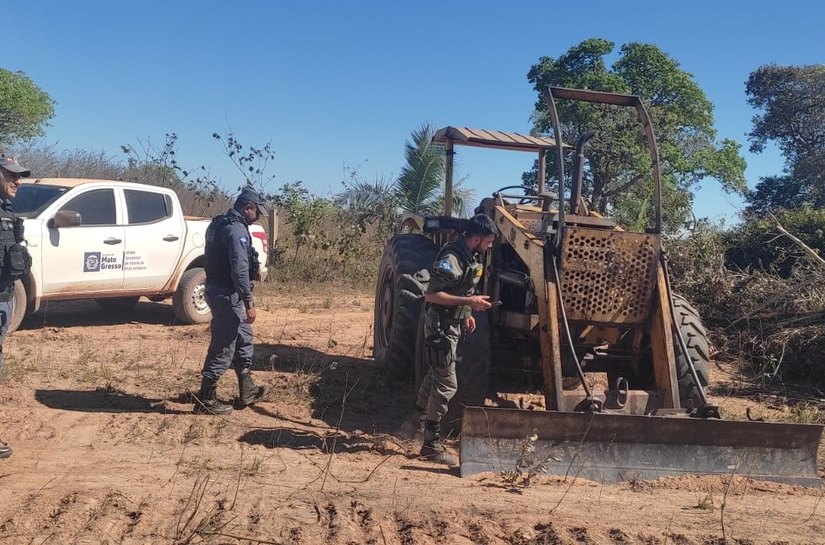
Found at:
(113, 242)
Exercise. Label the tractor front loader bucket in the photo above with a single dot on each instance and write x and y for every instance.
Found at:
(609, 448)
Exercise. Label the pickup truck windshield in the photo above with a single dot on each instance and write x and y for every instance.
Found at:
(31, 199)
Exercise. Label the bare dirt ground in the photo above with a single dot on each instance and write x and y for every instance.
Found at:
(107, 450)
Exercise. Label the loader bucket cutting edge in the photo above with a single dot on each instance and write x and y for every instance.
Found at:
(610, 448)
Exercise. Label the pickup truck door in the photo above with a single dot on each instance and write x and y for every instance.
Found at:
(155, 235)
(85, 258)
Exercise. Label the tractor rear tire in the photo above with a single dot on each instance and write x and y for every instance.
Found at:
(402, 282)
(696, 339)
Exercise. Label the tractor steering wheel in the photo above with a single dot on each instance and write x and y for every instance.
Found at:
(527, 191)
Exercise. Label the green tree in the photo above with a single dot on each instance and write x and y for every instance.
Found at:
(791, 105)
(25, 109)
(618, 176)
(420, 187)
(305, 213)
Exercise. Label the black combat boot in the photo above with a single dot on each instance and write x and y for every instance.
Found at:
(413, 428)
(248, 392)
(432, 450)
(5, 450)
(207, 402)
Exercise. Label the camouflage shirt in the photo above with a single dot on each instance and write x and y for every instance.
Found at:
(456, 271)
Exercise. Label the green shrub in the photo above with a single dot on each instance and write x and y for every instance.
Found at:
(326, 241)
(765, 308)
(757, 244)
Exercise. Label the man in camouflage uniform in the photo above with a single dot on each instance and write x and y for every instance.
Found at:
(231, 267)
(15, 260)
(450, 302)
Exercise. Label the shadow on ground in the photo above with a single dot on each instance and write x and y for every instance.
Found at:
(327, 441)
(106, 400)
(88, 313)
(351, 395)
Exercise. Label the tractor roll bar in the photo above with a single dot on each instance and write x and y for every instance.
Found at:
(599, 97)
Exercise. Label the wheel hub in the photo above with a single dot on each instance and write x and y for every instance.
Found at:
(199, 299)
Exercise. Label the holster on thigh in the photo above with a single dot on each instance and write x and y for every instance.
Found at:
(439, 351)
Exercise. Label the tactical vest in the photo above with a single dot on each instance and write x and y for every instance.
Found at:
(472, 271)
(216, 255)
(16, 260)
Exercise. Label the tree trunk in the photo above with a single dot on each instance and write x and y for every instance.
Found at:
(599, 199)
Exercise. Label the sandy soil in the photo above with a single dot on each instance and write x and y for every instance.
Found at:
(107, 450)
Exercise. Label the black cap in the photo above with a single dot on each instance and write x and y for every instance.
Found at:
(11, 165)
(250, 196)
(481, 224)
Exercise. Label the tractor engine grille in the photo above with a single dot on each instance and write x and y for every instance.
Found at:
(608, 276)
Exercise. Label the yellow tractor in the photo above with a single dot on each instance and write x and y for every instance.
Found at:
(579, 295)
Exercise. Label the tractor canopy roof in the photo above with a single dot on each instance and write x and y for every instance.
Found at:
(494, 139)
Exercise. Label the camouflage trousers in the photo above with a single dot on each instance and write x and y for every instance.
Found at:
(441, 337)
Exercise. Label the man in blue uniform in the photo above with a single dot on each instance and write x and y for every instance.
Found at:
(231, 267)
(450, 301)
(15, 260)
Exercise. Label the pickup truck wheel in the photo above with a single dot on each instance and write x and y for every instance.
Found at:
(189, 302)
(117, 304)
(18, 306)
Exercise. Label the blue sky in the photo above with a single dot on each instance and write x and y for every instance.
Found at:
(335, 84)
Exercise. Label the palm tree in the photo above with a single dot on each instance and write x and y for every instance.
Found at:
(462, 198)
(372, 200)
(422, 178)
(420, 187)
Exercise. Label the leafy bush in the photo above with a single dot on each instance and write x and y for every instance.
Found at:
(697, 267)
(759, 293)
(757, 244)
(337, 241)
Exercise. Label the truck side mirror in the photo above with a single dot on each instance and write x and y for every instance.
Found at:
(65, 218)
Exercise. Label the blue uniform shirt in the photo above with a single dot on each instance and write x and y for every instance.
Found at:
(6, 284)
(227, 254)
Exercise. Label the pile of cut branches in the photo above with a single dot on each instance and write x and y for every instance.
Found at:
(772, 320)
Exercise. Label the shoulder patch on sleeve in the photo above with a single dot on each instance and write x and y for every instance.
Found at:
(447, 268)
(244, 240)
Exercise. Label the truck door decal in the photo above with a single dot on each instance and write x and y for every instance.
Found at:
(98, 261)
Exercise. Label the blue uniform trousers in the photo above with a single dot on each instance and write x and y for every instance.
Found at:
(231, 342)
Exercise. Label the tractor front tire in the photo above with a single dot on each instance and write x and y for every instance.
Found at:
(402, 282)
(696, 338)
